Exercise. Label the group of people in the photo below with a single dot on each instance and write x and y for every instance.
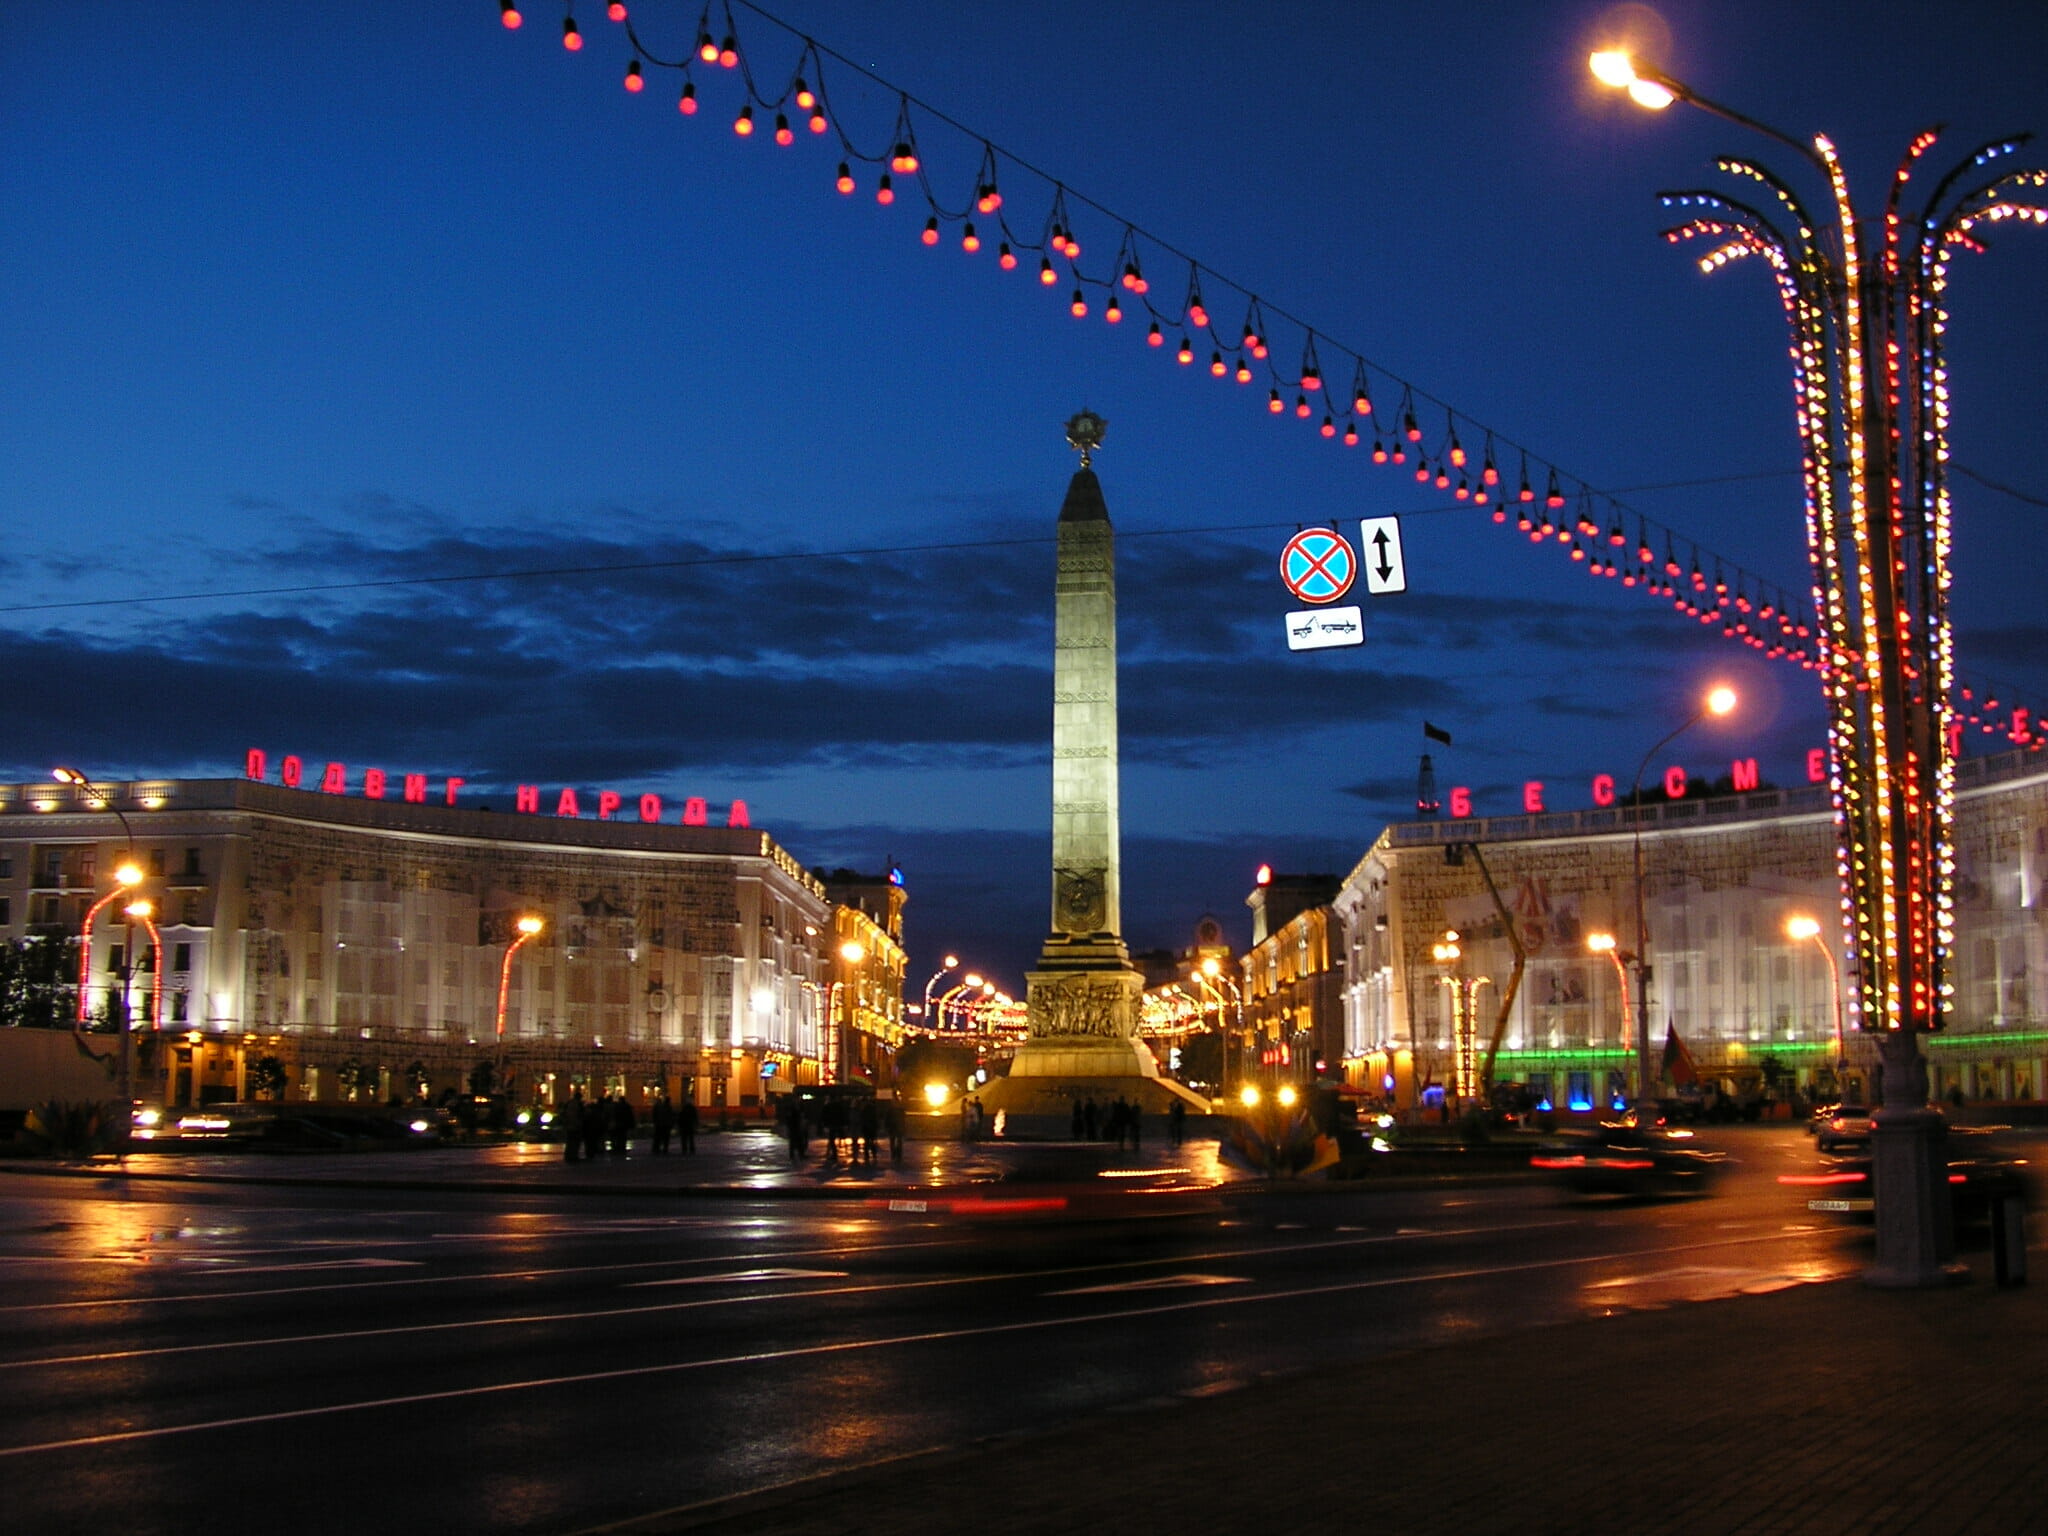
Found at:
(863, 1122)
(606, 1125)
(1124, 1121)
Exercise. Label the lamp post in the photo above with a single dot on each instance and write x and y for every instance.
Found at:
(1603, 944)
(1719, 701)
(852, 952)
(1800, 926)
(952, 964)
(529, 927)
(1866, 308)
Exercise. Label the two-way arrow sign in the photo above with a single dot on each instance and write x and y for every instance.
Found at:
(1379, 540)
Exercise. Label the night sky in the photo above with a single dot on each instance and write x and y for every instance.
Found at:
(384, 386)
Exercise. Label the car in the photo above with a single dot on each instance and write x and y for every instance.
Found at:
(1622, 1160)
(1842, 1125)
(1978, 1178)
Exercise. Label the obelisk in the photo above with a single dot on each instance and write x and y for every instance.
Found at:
(1083, 996)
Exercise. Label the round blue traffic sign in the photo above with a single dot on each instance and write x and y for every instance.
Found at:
(1318, 565)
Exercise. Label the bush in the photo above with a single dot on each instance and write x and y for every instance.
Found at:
(79, 1130)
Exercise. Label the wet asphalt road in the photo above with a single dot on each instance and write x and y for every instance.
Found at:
(226, 1359)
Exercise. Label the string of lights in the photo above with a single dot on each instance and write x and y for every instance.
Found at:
(1524, 492)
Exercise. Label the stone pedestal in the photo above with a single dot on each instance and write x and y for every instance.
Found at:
(1909, 1174)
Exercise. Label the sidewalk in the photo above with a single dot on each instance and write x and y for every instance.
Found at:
(1830, 1408)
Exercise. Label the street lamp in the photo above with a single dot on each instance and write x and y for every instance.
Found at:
(1603, 944)
(1719, 700)
(1800, 926)
(952, 964)
(1865, 302)
(853, 952)
(529, 927)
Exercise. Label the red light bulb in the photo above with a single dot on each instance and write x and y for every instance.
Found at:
(1301, 406)
(845, 180)
(903, 161)
(884, 193)
(687, 102)
(1078, 305)
(817, 120)
(1362, 405)
(1115, 312)
(1216, 364)
(1350, 434)
(616, 11)
(1409, 429)
(635, 81)
(1244, 371)
(1186, 353)
(1046, 275)
(1197, 316)
(1008, 259)
(1422, 472)
(1443, 479)
(1379, 451)
(1274, 403)
(509, 14)
(931, 231)
(707, 50)
(783, 135)
(729, 52)
(970, 242)
(805, 98)
(571, 38)
(743, 125)
(1153, 338)
(1328, 428)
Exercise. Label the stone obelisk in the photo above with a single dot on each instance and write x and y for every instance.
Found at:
(1083, 996)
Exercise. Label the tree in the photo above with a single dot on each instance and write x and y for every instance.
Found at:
(38, 982)
(267, 1077)
(358, 1078)
(483, 1077)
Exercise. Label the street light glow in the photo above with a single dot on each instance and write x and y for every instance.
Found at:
(528, 925)
(1800, 926)
(1600, 943)
(1721, 700)
(129, 874)
(852, 953)
(1613, 67)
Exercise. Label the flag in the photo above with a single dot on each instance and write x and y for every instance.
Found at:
(1678, 1064)
(1434, 734)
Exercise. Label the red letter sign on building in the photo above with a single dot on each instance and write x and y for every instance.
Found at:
(1674, 782)
(1603, 789)
(1532, 797)
(1461, 801)
(1817, 765)
(1743, 772)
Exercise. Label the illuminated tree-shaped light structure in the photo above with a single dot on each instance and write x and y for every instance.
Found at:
(1870, 389)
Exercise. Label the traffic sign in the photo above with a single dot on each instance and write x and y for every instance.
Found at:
(1318, 565)
(1380, 538)
(1315, 629)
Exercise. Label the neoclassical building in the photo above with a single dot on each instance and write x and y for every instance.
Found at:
(1721, 879)
(368, 936)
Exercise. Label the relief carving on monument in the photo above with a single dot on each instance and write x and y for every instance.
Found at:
(1096, 1006)
(1083, 907)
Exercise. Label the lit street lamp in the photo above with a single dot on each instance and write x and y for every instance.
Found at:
(1865, 301)
(1800, 926)
(1719, 701)
(529, 927)
(1603, 944)
(952, 964)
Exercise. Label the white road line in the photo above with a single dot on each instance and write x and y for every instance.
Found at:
(743, 1299)
(1156, 1283)
(743, 1276)
(848, 1346)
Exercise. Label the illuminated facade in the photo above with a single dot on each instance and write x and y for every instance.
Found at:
(1293, 978)
(1722, 877)
(363, 943)
(866, 994)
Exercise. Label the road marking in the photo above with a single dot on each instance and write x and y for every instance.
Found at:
(743, 1299)
(742, 1276)
(1156, 1283)
(841, 1347)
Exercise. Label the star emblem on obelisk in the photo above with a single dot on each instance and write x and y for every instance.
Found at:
(1084, 434)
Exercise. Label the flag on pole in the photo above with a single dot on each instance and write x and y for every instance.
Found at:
(1436, 734)
(1678, 1062)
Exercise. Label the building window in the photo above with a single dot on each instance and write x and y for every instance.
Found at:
(178, 1007)
(181, 957)
(156, 861)
(6, 912)
(191, 861)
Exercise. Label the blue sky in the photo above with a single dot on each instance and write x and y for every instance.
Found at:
(301, 296)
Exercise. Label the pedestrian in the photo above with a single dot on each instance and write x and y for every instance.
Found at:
(833, 1118)
(1176, 1121)
(793, 1127)
(664, 1118)
(622, 1125)
(597, 1119)
(570, 1123)
(1119, 1121)
(895, 1130)
(966, 1118)
(1089, 1118)
(870, 1128)
(686, 1122)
